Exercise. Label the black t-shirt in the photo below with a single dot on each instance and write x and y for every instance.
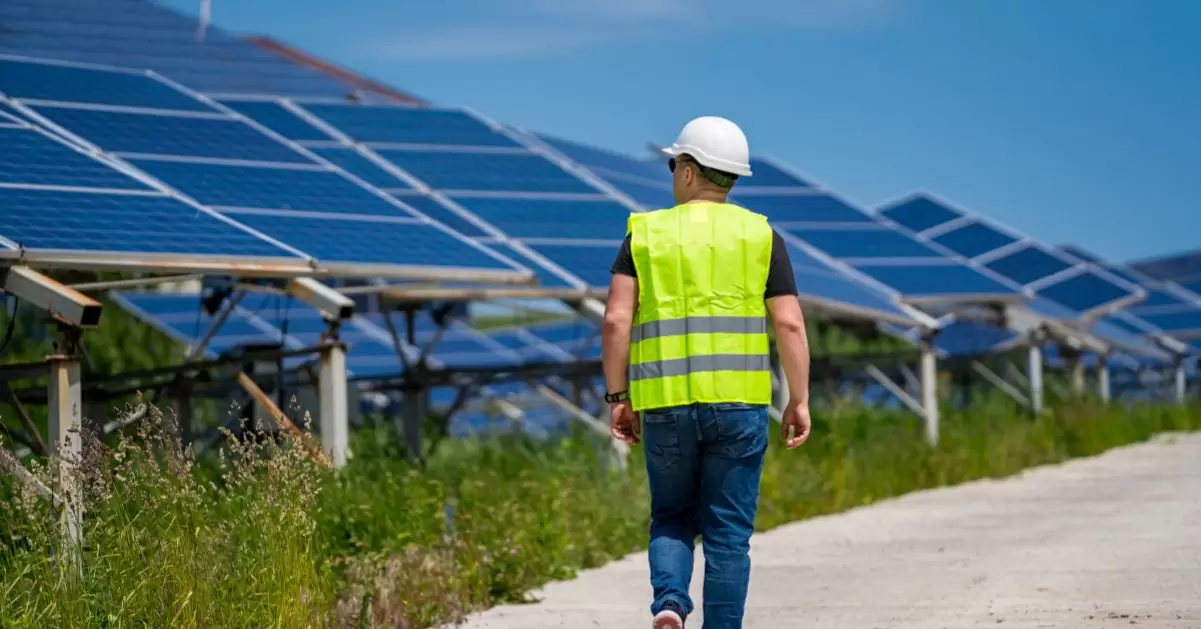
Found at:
(780, 280)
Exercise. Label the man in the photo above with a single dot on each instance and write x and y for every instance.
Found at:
(688, 369)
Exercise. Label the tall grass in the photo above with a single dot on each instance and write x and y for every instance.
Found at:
(263, 537)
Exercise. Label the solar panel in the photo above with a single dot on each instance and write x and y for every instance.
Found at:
(864, 243)
(53, 82)
(595, 219)
(276, 117)
(802, 208)
(29, 157)
(313, 189)
(974, 239)
(508, 172)
(1028, 265)
(936, 281)
(352, 162)
(408, 125)
(209, 137)
(1071, 282)
(217, 159)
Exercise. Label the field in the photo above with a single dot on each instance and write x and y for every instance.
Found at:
(261, 536)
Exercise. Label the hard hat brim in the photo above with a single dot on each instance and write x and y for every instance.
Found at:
(736, 169)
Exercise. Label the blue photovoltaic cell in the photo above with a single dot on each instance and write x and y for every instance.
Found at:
(649, 197)
(171, 135)
(1175, 321)
(595, 158)
(974, 239)
(970, 338)
(1155, 299)
(409, 125)
(435, 210)
(1124, 324)
(354, 163)
(269, 188)
(1195, 287)
(486, 171)
(538, 218)
(366, 242)
(39, 81)
(766, 174)
(589, 263)
(30, 157)
(1084, 292)
(921, 213)
(936, 280)
(1028, 265)
(275, 117)
(827, 286)
(1183, 268)
(46, 219)
(865, 243)
(812, 208)
(545, 276)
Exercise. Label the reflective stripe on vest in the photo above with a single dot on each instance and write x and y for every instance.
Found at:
(700, 332)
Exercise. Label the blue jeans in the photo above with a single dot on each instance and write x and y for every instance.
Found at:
(704, 462)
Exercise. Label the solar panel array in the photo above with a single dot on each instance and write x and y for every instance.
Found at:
(824, 231)
(1077, 285)
(272, 191)
(466, 172)
(1168, 308)
(140, 34)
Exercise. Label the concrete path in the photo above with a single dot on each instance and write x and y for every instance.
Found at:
(1110, 541)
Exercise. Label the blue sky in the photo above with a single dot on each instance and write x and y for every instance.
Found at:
(1072, 120)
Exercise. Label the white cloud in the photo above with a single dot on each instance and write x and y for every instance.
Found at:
(536, 28)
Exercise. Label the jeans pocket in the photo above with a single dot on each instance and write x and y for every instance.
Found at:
(661, 434)
(741, 430)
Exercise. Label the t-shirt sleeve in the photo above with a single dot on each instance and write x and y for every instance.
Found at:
(780, 280)
(624, 264)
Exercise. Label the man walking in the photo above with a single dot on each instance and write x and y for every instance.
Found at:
(688, 369)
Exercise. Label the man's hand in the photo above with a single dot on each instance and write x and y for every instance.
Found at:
(795, 424)
(623, 422)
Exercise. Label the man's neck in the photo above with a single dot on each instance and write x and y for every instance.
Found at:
(708, 197)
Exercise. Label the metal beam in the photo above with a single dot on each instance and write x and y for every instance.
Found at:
(1078, 376)
(896, 390)
(335, 429)
(136, 282)
(592, 310)
(1001, 383)
(64, 303)
(332, 304)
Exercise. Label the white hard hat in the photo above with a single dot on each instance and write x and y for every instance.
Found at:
(714, 142)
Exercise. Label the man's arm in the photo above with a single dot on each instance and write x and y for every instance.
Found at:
(615, 338)
(792, 343)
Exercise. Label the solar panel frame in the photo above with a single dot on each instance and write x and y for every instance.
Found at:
(504, 269)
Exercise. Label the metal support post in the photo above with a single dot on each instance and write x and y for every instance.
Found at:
(1078, 376)
(1181, 381)
(929, 376)
(66, 442)
(1103, 380)
(335, 429)
(1034, 371)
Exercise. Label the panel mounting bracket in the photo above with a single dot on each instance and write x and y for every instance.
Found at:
(65, 304)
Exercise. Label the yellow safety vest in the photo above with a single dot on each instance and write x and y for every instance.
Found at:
(700, 332)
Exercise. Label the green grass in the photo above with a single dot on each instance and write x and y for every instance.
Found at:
(263, 537)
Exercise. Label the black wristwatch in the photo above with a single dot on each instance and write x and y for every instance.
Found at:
(620, 396)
